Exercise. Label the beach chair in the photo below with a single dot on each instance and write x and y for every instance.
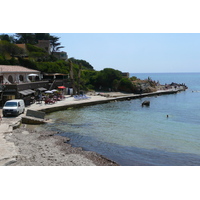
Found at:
(76, 98)
(86, 97)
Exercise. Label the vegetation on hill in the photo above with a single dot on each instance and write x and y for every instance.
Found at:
(84, 75)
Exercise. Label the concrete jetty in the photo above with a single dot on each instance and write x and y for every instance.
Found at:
(9, 152)
(69, 102)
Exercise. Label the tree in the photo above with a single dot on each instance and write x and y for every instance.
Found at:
(25, 38)
(85, 64)
(126, 85)
(42, 36)
(79, 78)
(5, 37)
(106, 77)
(55, 45)
(7, 48)
(71, 75)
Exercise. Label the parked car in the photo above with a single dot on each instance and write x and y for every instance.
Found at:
(13, 107)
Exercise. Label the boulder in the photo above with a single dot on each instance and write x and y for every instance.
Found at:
(146, 103)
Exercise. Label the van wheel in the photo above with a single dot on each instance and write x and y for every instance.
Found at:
(23, 111)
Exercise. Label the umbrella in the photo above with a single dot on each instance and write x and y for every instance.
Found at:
(54, 90)
(33, 75)
(48, 92)
(61, 87)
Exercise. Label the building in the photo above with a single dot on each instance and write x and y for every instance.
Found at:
(10, 74)
(17, 82)
(125, 74)
(44, 44)
(61, 55)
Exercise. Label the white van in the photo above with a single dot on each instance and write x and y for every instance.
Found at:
(13, 107)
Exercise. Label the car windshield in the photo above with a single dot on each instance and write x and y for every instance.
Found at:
(11, 104)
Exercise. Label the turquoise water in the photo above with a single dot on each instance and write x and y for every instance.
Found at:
(131, 134)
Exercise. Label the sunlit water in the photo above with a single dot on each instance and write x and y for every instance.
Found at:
(130, 134)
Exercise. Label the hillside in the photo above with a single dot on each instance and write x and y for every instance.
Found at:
(23, 49)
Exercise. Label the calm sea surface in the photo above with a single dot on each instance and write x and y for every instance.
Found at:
(131, 134)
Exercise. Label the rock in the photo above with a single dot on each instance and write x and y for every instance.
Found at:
(146, 103)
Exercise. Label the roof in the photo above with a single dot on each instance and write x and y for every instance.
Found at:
(23, 46)
(15, 68)
(27, 92)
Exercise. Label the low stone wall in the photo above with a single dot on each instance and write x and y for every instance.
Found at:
(32, 120)
(36, 114)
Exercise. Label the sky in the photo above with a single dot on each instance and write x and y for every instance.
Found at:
(133, 36)
(135, 52)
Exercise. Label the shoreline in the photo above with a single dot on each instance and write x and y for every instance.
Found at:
(48, 149)
(27, 145)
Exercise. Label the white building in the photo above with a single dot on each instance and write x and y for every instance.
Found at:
(10, 74)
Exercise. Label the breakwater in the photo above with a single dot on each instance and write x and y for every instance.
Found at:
(98, 100)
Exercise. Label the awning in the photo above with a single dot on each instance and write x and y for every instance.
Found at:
(27, 92)
(42, 89)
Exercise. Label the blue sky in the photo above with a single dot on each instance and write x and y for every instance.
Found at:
(135, 52)
(131, 36)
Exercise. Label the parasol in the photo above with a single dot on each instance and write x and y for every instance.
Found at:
(33, 75)
(48, 92)
(61, 87)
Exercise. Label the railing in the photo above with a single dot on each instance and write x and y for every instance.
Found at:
(28, 85)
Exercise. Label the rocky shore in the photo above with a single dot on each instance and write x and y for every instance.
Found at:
(49, 149)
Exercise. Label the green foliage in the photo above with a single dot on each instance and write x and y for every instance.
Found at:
(5, 37)
(55, 44)
(32, 38)
(106, 77)
(115, 85)
(85, 64)
(32, 48)
(25, 38)
(39, 54)
(14, 61)
(125, 85)
(53, 67)
(27, 63)
(10, 49)
(3, 60)
(42, 36)
(133, 78)
(90, 78)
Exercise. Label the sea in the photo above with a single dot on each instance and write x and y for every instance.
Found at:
(132, 135)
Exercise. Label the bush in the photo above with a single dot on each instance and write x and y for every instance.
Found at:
(125, 85)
